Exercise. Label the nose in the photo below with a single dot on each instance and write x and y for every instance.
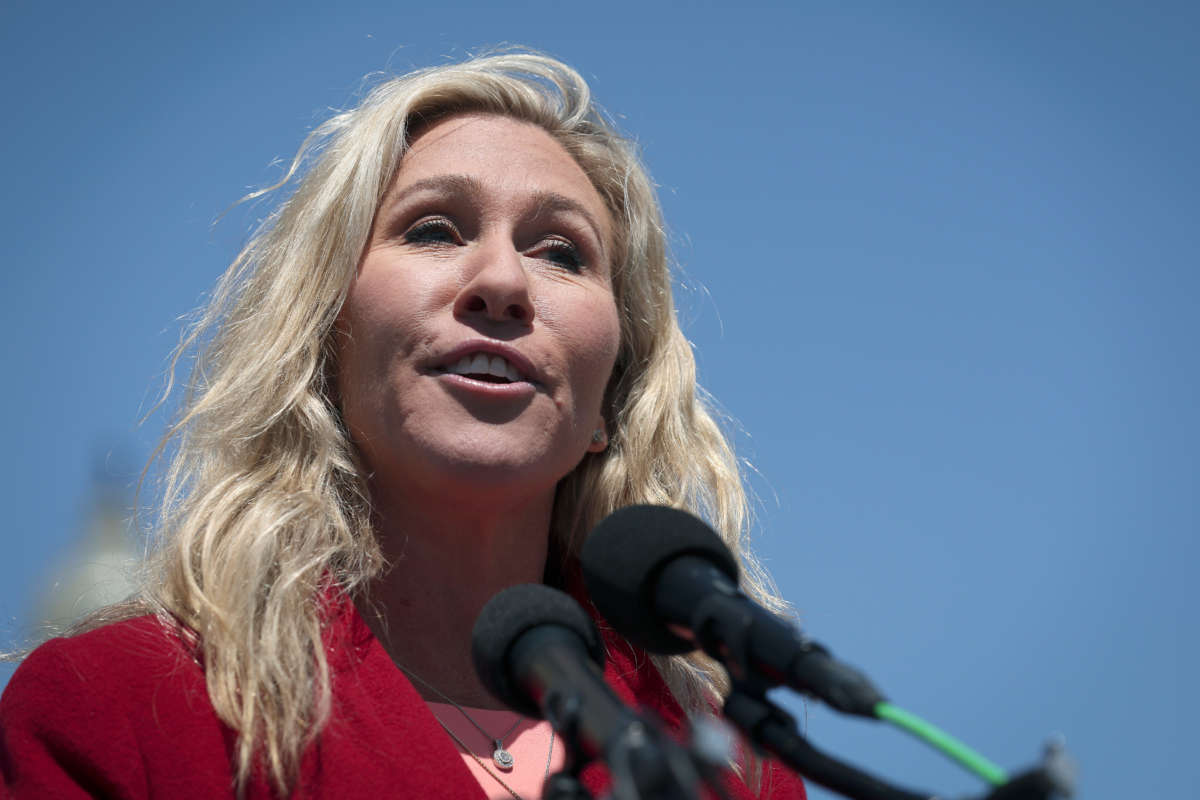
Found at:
(496, 286)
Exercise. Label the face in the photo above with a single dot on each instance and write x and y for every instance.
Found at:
(480, 332)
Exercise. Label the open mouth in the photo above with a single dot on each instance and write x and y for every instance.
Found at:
(485, 367)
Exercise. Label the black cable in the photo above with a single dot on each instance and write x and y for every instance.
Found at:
(774, 730)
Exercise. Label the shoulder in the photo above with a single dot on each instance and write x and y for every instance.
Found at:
(95, 714)
(125, 663)
(139, 642)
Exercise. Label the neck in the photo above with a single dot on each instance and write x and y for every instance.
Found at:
(445, 560)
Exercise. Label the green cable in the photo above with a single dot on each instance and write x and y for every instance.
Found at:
(943, 741)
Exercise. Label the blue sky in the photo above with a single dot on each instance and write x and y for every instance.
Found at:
(937, 261)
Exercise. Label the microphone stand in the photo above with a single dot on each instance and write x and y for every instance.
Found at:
(563, 716)
(565, 785)
(644, 764)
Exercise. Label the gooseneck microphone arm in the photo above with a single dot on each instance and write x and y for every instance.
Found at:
(771, 729)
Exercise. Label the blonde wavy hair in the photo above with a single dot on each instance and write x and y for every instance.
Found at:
(264, 502)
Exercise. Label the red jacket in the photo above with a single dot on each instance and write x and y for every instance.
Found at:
(123, 712)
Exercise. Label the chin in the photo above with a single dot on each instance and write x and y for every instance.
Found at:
(531, 474)
(493, 468)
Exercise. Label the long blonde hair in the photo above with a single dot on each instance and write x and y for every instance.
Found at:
(264, 504)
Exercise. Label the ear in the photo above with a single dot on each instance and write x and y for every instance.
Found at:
(599, 438)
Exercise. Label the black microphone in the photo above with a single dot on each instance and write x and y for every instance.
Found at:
(531, 639)
(667, 582)
(539, 653)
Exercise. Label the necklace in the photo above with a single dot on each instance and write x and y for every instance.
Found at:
(484, 766)
(500, 756)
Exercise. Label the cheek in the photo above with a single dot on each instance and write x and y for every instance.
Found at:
(598, 338)
(353, 347)
(384, 316)
(370, 334)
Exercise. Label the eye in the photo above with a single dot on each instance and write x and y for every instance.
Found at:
(561, 252)
(436, 230)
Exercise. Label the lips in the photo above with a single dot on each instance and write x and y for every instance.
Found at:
(488, 362)
(483, 367)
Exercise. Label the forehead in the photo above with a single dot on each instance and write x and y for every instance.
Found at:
(510, 157)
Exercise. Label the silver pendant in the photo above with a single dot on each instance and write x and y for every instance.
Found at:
(502, 757)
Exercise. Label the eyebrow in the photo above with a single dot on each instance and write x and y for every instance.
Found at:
(451, 184)
(469, 186)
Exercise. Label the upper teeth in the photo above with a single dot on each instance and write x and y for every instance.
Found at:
(484, 364)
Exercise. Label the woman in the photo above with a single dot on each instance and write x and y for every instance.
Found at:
(443, 359)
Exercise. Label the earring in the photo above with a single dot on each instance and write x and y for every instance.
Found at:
(599, 436)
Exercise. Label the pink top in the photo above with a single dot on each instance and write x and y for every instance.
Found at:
(529, 744)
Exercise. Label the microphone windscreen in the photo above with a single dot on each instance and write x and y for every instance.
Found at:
(623, 558)
(508, 615)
